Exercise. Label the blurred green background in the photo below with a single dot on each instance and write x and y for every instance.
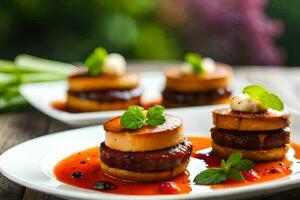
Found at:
(68, 30)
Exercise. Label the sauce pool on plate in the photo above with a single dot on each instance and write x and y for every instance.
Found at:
(82, 169)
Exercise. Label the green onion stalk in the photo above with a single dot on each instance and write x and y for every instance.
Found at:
(23, 70)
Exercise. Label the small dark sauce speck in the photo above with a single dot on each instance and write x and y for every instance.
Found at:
(274, 171)
(103, 185)
(77, 175)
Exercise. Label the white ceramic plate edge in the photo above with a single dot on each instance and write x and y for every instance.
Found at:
(262, 188)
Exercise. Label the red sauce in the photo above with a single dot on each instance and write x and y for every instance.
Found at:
(61, 106)
(87, 164)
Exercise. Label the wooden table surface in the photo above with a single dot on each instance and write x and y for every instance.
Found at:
(17, 127)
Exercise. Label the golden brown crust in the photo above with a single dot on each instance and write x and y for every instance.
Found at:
(143, 177)
(172, 123)
(254, 155)
(220, 78)
(231, 120)
(103, 82)
(169, 104)
(77, 104)
(147, 138)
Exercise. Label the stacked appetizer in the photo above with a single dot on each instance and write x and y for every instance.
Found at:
(200, 81)
(255, 125)
(144, 145)
(105, 85)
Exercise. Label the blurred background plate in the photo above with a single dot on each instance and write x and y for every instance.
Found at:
(42, 95)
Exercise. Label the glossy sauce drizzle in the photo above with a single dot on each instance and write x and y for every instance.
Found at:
(83, 170)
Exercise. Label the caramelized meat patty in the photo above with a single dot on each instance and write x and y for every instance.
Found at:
(108, 95)
(251, 140)
(196, 98)
(150, 161)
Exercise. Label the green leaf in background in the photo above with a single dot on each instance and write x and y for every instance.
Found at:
(27, 69)
(40, 77)
(9, 92)
(8, 80)
(14, 103)
(266, 98)
(95, 61)
(7, 66)
(196, 61)
(36, 64)
(10, 67)
(11, 99)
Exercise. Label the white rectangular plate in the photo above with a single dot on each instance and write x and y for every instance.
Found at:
(41, 95)
(35, 170)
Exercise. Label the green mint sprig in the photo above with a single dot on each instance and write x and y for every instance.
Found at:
(196, 61)
(95, 61)
(134, 117)
(266, 98)
(229, 169)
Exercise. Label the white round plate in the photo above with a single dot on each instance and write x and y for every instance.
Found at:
(31, 163)
(41, 95)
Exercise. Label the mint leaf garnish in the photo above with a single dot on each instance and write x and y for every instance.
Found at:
(196, 61)
(244, 165)
(233, 159)
(210, 176)
(266, 98)
(255, 91)
(95, 61)
(155, 116)
(235, 174)
(229, 169)
(134, 117)
(272, 101)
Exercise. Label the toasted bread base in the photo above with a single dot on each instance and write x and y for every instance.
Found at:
(103, 82)
(170, 104)
(147, 138)
(143, 177)
(220, 78)
(269, 120)
(254, 155)
(84, 105)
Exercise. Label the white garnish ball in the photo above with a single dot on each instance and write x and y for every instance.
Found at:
(209, 65)
(114, 64)
(244, 103)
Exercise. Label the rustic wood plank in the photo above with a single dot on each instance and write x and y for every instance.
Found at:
(16, 128)
(35, 195)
